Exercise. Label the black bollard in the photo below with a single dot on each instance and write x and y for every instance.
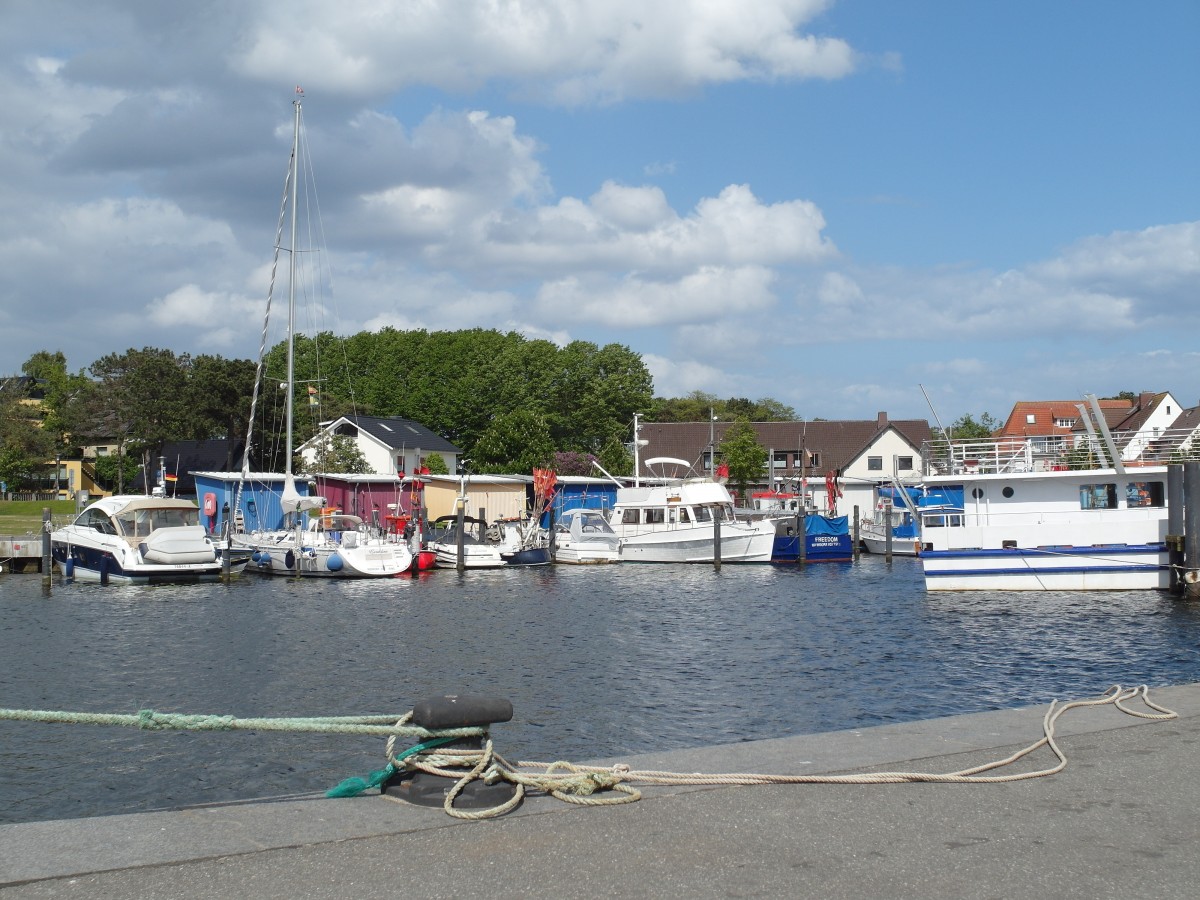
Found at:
(454, 711)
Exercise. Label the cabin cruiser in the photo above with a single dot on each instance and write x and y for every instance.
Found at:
(136, 539)
(678, 521)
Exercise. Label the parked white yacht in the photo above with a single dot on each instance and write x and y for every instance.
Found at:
(676, 522)
(136, 539)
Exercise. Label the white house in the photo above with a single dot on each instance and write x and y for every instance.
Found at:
(389, 445)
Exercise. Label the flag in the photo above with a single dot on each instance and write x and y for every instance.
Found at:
(171, 477)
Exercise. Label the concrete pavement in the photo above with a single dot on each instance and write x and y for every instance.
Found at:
(1120, 821)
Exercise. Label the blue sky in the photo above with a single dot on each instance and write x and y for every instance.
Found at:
(828, 203)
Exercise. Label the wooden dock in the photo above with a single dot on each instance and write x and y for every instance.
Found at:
(21, 553)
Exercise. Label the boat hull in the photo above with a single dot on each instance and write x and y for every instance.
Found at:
(80, 562)
(583, 555)
(1106, 568)
(369, 560)
(817, 548)
(738, 545)
(531, 556)
(900, 546)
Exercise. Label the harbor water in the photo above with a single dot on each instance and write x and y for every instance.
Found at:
(598, 662)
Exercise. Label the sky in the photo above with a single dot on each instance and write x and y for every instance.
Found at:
(926, 208)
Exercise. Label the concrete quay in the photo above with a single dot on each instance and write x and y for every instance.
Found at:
(1120, 821)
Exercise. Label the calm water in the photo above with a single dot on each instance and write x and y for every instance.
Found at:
(598, 662)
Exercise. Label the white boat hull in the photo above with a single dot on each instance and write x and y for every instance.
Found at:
(696, 545)
(1061, 569)
(875, 544)
(583, 555)
(368, 559)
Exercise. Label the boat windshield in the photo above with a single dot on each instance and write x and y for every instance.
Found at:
(140, 522)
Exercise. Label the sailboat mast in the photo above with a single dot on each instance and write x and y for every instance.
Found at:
(291, 329)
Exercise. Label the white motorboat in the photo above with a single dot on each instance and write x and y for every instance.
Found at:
(444, 539)
(138, 539)
(677, 522)
(584, 537)
(326, 546)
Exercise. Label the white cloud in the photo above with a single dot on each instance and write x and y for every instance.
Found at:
(633, 302)
(570, 52)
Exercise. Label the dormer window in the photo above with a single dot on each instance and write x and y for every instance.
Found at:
(1064, 423)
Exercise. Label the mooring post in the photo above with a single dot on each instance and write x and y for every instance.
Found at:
(47, 564)
(461, 537)
(857, 539)
(717, 513)
(887, 531)
(1175, 526)
(1191, 529)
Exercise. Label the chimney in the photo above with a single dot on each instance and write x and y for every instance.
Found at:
(881, 419)
(1145, 398)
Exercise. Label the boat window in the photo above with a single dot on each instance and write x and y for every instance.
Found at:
(1145, 493)
(655, 516)
(629, 517)
(1097, 496)
(99, 520)
(1007, 492)
(684, 518)
(702, 514)
(977, 493)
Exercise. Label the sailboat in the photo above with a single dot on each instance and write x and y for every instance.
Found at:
(329, 545)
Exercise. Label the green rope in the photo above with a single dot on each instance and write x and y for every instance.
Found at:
(149, 720)
(353, 786)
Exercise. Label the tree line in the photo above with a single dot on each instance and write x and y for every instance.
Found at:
(510, 403)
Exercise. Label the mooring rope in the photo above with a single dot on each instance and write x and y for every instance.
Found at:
(580, 784)
(572, 783)
(150, 720)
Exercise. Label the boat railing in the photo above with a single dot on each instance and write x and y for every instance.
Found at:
(1049, 453)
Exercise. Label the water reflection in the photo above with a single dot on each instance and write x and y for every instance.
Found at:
(598, 661)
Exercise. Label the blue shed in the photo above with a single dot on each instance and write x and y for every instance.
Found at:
(217, 496)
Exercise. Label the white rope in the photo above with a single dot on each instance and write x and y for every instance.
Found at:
(580, 784)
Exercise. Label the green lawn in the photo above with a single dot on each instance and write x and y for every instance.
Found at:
(23, 516)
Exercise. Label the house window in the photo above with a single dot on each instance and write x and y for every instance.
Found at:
(875, 463)
(904, 463)
(1030, 418)
(814, 460)
(1064, 423)
(780, 460)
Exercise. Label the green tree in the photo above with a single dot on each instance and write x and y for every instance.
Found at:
(219, 392)
(436, 464)
(58, 386)
(147, 391)
(966, 428)
(335, 454)
(516, 442)
(616, 458)
(25, 447)
(742, 453)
